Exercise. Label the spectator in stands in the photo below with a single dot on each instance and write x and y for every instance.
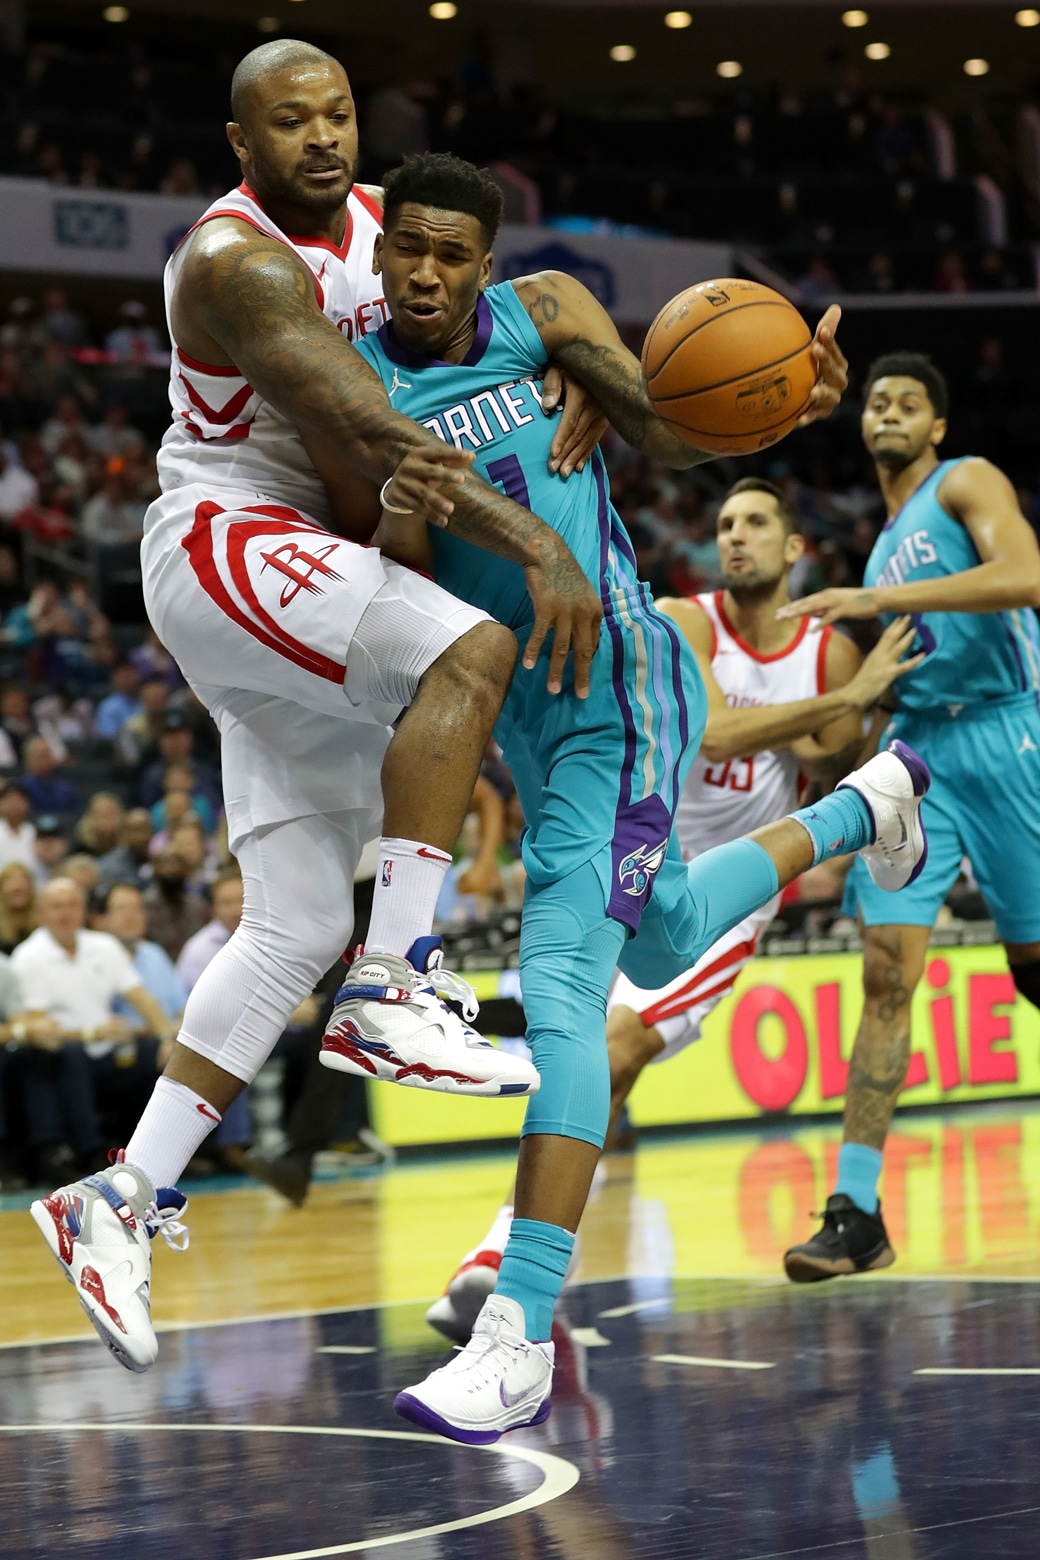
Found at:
(130, 861)
(50, 849)
(46, 790)
(114, 517)
(73, 976)
(994, 386)
(211, 937)
(134, 342)
(174, 912)
(72, 467)
(140, 734)
(693, 558)
(177, 746)
(61, 322)
(17, 905)
(995, 274)
(880, 273)
(180, 796)
(16, 831)
(83, 870)
(121, 705)
(11, 589)
(67, 421)
(192, 844)
(123, 914)
(818, 283)
(100, 828)
(16, 720)
(115, 434)
(18, 490)
(153, 660)
(35, 1072)
(951, 273)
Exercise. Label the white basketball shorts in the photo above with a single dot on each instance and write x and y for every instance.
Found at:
(302, 645)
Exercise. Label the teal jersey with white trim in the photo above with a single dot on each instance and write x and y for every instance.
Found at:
(971, 658)
(491, 404)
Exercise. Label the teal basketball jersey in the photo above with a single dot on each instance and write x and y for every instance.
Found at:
(491, 404)
(971, 658)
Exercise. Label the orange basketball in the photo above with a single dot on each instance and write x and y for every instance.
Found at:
(728, 366)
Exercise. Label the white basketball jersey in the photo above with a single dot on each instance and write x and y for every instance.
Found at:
(722, 801)
(223, 433)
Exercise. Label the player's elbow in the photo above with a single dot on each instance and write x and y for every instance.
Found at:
(718, 744)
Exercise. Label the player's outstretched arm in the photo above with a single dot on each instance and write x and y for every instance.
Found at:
(730, 733)
(580, 336)
(246, 300)
(839, 746)
(980, 496)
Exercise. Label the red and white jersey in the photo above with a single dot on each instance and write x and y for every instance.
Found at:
(722, 801)
(223, 433)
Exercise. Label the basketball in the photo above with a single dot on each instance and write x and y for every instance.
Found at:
(728, 366)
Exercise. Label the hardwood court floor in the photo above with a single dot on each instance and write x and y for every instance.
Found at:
(703, 1407)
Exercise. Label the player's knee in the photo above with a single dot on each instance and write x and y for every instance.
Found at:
(630, 1045)
(481, 663)
(892, 965)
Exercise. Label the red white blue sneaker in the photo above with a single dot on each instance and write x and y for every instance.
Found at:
(100, 1231)
(500, 1381)
(455, 1314)
(893, 784)
(391, 1022)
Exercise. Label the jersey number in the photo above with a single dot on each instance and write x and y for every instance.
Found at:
(737, 773)
(508, 474)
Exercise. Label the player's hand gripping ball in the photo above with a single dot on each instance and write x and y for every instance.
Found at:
(729, 366)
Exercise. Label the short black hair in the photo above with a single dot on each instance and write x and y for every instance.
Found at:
(910, 365)
(445, 181)
(785, 509)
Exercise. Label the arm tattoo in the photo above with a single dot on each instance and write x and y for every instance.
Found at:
(255, 299)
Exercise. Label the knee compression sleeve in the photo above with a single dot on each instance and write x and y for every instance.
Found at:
(569, 948)
(1027, 980)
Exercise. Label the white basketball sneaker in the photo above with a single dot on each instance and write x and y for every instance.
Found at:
(100, 1231)
(892, 784)
(500, 1381)
(391, 1022)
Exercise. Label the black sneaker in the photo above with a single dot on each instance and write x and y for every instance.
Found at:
(850, 1241)
(289, 1173)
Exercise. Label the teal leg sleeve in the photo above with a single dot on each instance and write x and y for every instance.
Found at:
(568, 950)
(693, 905)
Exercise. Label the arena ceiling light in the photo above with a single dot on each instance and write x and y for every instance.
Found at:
(676, 20)
(976, 67)
(855, 18)
(877, 51)
(621, 53)
(443, 10)
(116, 13)
(727, 69)
(1028, 17)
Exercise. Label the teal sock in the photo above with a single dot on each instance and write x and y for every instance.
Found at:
(532, 1272)
(858, 1170)
(837, 824)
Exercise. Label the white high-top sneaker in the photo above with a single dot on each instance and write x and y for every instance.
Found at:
(390, 1022)
(892, 784)
(500, 1381)
(100, 1231)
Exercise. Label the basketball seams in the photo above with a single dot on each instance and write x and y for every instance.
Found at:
(720, 384)
(754, 303)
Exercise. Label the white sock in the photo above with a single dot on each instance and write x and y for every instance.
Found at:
(497, 1235)
(408, 881)
(175, 1124)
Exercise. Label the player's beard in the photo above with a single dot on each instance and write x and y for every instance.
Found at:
(274, 187)
(899, 458)
(752, 586)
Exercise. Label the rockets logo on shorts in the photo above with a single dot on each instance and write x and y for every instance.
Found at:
(299, 567)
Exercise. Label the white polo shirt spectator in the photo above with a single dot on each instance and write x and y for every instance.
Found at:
(17, 834)
(74, 975)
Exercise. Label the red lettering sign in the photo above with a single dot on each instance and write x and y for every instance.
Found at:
(985, 1028)
(773, 1084)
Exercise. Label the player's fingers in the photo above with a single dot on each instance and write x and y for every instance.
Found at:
(796, 609)
(829, 322)
(908, 666)
(562, 631)
(552, 388)
(536, 638)
(586, 639)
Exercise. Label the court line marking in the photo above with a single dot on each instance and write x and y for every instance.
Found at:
(558, 1475)
(978, 1370)
(630, 1310)
(590, 1338)
(932, 1527)
(701, 1359)
(761, 1280)
(347, 1348)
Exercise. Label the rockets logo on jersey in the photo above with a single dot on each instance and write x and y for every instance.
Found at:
(299, 567)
